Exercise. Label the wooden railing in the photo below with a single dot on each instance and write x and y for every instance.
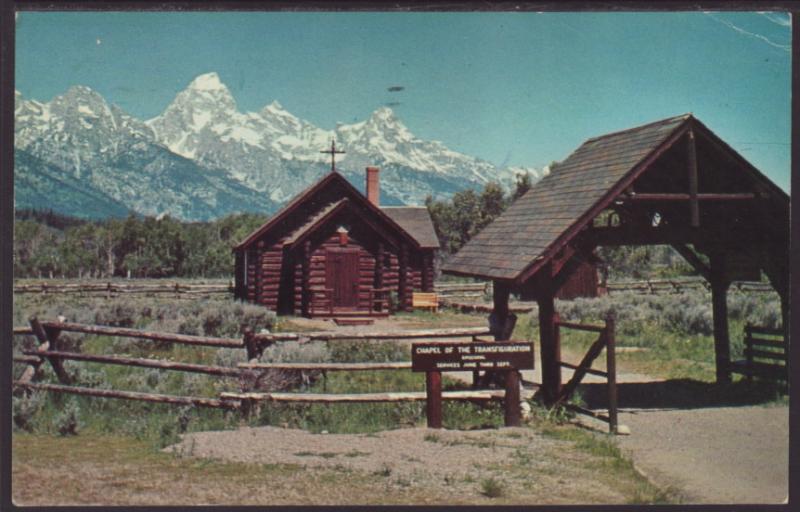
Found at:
(766, 354)
(112, 288)
(656, 286)
(50, 349)
(605, 340)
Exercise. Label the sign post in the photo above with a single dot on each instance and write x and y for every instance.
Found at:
(507, 356)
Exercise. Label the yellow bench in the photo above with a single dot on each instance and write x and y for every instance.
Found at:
(425, 300)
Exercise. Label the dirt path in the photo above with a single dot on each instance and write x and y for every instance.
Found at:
(531, 468)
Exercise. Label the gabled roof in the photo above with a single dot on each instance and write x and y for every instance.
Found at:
(417, 222)
(552, 212)
(313, 220)
(308, 195)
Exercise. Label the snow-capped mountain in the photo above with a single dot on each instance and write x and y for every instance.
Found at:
(100, 156)
(204, 124)
(203, 158)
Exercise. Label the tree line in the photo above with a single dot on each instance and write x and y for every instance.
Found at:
(47, 244)
(52, 245)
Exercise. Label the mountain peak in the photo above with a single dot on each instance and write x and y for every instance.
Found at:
(383, 114)
(207, 82)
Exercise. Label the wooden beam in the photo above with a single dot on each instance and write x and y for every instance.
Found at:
(410, 396)
(550, 349)
(694, 206)
(150, 335)
(693, 259)
(141, 362)
(511, 399)
(433, 399)
(719, 294)
(647, 197)
(662, 235)
(455, 332)
(330, 367)
(131, 395)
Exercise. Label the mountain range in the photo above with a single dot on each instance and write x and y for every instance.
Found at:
(202, 158)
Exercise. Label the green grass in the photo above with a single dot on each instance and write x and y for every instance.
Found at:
(492, 488)
(610, 463)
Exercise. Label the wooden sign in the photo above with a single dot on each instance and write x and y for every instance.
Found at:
(499, 355)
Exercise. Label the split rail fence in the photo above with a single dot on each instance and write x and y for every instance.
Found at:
(113, 289)
(661, 286)
(50, 349)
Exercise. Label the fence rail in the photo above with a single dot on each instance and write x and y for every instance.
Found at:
(49, 350)
(679, 285)
(110, 288)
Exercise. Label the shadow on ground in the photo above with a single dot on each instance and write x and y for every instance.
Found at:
(680, 394)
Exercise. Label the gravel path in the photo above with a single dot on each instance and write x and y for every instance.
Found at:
(715, 455)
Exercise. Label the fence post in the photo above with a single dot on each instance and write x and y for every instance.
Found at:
(748, 351)
(433, 398)
(48, 340)
(511, 399)
(557, 340)
(108, 290)
(250, 344)
(611, 370)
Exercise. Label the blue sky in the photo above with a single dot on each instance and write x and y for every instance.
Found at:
(511, 88)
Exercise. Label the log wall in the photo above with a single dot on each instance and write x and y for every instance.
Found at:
(275, 276)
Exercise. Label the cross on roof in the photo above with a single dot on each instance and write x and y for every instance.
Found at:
(333, 152)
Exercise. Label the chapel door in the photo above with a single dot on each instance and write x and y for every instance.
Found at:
(342, 277)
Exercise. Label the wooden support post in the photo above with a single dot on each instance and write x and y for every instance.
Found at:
(550, 348)
(258, 286)
(305, 293)
(611, 370)
(501, 320)
(785, 316)
(511, 400)
(433, 397)
(501, 325)
(694, 205)
(404, 300)
(48, 340)
(719, 301)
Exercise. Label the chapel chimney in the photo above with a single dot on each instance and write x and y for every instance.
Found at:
(373, 186)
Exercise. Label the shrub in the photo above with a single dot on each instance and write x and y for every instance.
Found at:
(67, 421)
(24, 408)
(492, 488)
(357, 351)
(292, 351)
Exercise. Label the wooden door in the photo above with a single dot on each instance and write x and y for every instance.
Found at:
(341, 275)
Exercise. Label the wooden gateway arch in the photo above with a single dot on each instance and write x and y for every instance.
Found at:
(671, 182)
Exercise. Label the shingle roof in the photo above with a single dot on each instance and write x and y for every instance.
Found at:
(416, 221)
(312, 221)
(420, 235)
(558, 202)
